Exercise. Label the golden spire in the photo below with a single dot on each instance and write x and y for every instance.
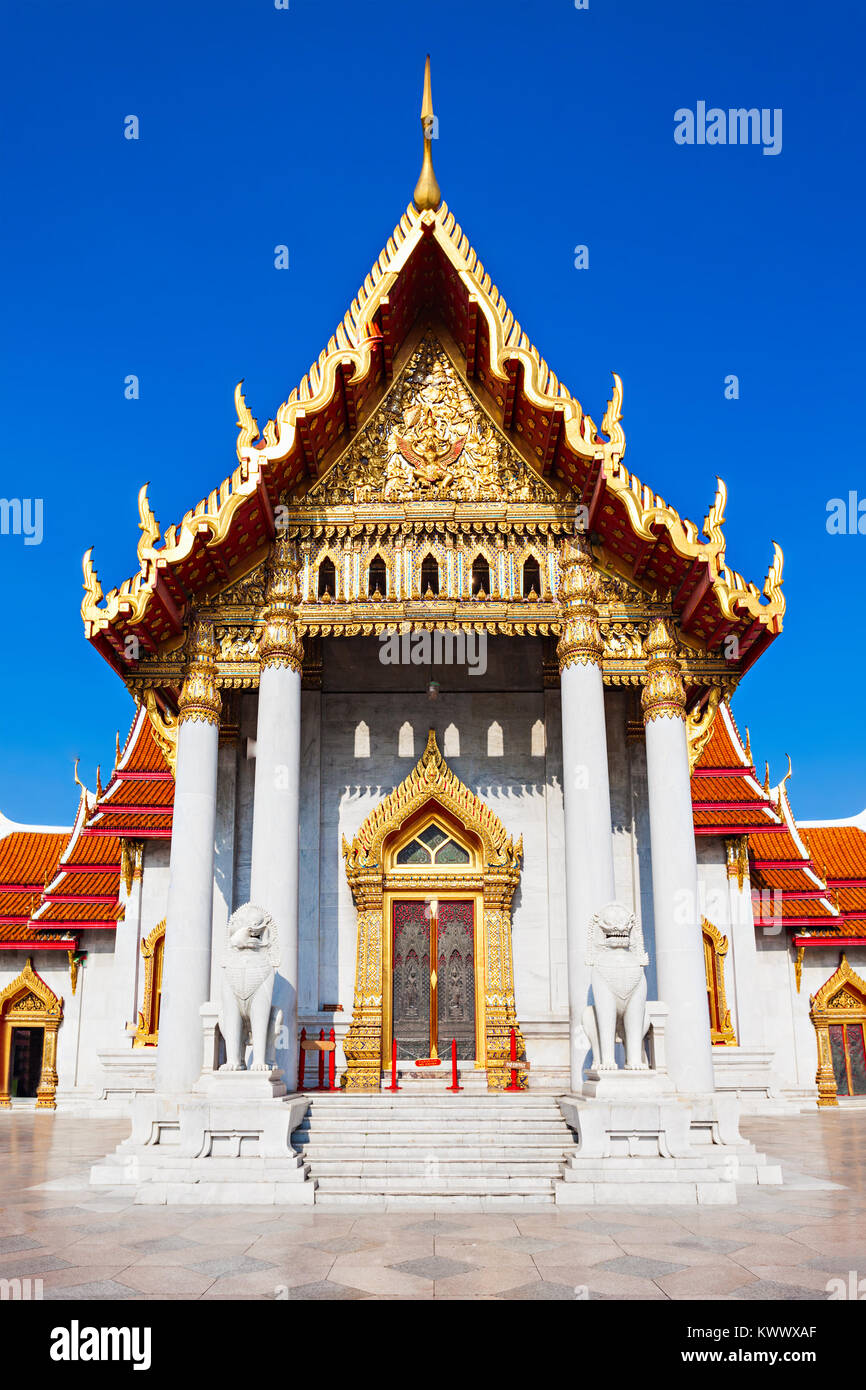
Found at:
(427, 192)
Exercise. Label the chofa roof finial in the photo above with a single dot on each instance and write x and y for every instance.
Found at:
(427, 193)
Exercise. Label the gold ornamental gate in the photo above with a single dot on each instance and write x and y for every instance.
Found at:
(433, 843)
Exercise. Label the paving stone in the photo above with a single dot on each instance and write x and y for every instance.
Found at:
(232, 1264)
(161, 1243)
(640, 1267)
(8, 1244)
(434, 1267)
(530, 1245)
(715, 1243)
(435, 1227)
(323, 1289)
(768, 1289)
(545, 1289)
(341, 1245)
(31, 1264)
(833, 1264)
(97, 1289)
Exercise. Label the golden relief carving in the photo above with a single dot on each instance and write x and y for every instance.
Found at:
(664, 695)
(280, 643)
(699, 727)
(146, 1032)
(163, 725)
(715, 950)
(431, 781)
(737, 859)
(429, 440)
(200, 696)
(840, 1000)
(28, 1000)
(581, 641)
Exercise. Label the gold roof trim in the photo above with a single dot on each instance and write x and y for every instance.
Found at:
(352, 346)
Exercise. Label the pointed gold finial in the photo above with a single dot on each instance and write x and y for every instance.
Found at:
(427, 193)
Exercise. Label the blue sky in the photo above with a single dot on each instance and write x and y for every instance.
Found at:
(261, 126)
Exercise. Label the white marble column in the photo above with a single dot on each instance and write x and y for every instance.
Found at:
(186, 967)
(589, 878)
(678, 943)
(276, 820)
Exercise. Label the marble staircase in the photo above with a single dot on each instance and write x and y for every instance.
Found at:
(471, 1150)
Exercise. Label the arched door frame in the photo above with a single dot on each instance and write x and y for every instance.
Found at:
(841, 999)
(29, 1003)
(432, 786)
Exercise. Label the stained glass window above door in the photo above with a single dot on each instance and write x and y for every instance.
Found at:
(433, 847)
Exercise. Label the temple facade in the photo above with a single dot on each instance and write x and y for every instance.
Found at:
(432, 678)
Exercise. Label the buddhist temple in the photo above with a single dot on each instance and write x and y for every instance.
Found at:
(431, 677)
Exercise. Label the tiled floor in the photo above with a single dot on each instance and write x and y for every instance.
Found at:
(778, 1243)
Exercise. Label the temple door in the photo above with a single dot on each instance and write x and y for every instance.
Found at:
(849, 1058)
(455, 987)
(433, 997)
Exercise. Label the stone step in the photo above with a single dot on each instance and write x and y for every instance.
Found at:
(433, 1124)
(395, 1185)
(424, 1201)
(385, 1100)
(460, 1169)
(390, 1147)
(450, 1112)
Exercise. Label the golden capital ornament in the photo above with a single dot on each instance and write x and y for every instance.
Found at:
(200, 696)
(281, 643)
(664, 695)
(580, 643)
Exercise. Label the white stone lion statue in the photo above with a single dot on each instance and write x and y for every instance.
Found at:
(616, 960)
(249, 966)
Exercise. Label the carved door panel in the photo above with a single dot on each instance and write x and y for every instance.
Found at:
(411, 999)
(849, 1061)
(455, 987)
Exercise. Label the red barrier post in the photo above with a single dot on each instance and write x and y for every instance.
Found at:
(332, 1063)
(321, 1061)
(514, 1083)
(454, 1086)
(393, 1086)
(302, 1060)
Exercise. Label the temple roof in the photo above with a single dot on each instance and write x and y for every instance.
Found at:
(809, 877)
(54, 884)
(429, 274)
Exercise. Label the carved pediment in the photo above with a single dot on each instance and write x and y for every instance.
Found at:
(429, 440)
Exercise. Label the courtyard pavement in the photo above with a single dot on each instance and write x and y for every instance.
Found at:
(778, 1243)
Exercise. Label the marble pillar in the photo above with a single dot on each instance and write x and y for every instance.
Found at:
(679, 948)
(589, 875)
(276, 820)
(186, 966)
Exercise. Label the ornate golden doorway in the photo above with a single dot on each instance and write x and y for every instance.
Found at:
(29, 1007)
(838, 1012)
(432, 863)
(433, 973)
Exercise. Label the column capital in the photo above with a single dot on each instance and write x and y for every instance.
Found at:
(200, 696)
(281, 643)
(580, 643)
(664, 694)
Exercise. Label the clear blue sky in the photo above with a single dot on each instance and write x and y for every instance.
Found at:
(261, 126)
